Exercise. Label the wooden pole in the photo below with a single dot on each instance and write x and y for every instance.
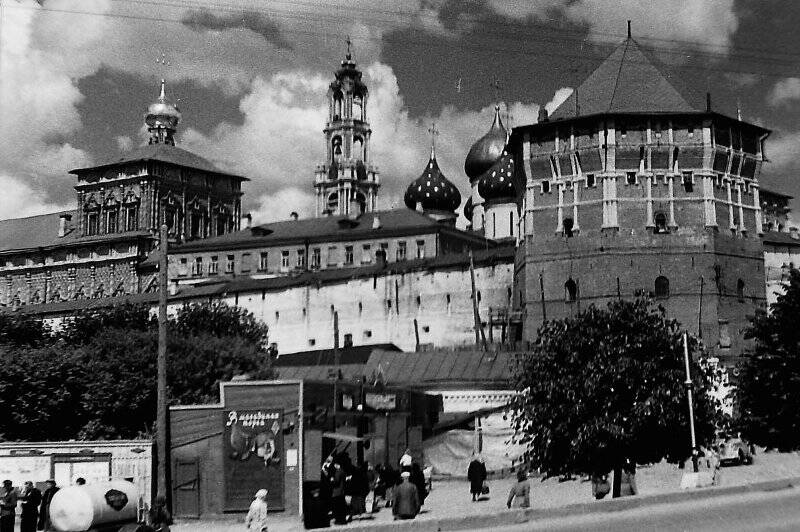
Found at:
(479, 335)
(336, 366)
(416, 335)
(688, 384)
(700, 310)
(162, 434)
(544, 307)
(619, 292)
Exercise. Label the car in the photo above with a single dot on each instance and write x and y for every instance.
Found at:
(734, 451)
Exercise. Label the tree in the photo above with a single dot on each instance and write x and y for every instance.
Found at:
(81, 328)
(768, 388)
(605, 386)
(21, 329)
(221, 320)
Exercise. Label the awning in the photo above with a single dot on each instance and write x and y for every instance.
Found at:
(343, 437)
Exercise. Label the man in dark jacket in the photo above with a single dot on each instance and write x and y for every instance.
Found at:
(31, 498)
(406, 499)
(44, 510)
(8, 506)
(476, 473)
(338, 503)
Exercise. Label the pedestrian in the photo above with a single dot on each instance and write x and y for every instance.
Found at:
(316, 513)
(159, 517)
(476, 474)
(256, 520)
(8, 506)
(406, 498)
(44, 511)
(80, 481)
(714, 463)
(359, 488)
(521, 491)
(627, 485)
(418, 479)
(338, 502)
(31, 498)
(600, 485)
(406, 460)
(390, 479)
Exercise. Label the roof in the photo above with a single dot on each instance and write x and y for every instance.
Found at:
(769, 192)
(433, 369)
(164, 153)
(355, 354)
(394, 222)
(19, 234)
(628, 81)
(779, 239)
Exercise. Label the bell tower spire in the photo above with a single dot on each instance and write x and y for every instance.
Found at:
(346, 183)
(162, 119)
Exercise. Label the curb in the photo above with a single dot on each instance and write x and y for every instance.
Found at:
(515, 517)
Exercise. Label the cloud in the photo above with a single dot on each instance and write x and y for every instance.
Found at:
(784, 91)
(710, 22)
(276, 206)
(20, 200)
(254, 21)
(781, 148)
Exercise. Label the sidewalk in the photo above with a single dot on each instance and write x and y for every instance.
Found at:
(449, 505)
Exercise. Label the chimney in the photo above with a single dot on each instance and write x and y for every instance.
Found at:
(355, 209)
(63, 223)
(793, 232)
(294, 216)
(247, 221)
(543, 116)
(376, 222)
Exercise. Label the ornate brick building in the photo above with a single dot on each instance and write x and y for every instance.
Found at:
(98, 249)
(631, 186)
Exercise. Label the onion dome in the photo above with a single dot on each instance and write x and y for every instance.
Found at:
(486, 150)
(162, 119)
(468, 207)
(498, 182)
(433, 190)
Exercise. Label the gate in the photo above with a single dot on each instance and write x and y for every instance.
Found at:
(186, 496)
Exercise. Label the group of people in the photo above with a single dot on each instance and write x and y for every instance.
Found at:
(35, 506)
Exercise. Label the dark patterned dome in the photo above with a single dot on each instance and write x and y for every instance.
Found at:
(487, 149)
(498, 181)
(468, 207)
(433, 190)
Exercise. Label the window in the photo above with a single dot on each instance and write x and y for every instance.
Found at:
(332, 256)
(420, 249)
(740, 290)
(92, 222)
(382, 254)
(366, 254)
(568, 225)
(662, 286)
(571, 290)
(312, 342)
(316, 253)
(213, 266)
(221, 224)
(284, 259)
(545, 187)
(263, 261)
(590, 181)
(401, 251)
(688, 182)
(630, 178)
(367, 334)
(245, 262)
(197, 267)
(230, 263)
(660, 220)
(132, 218)
(197, 225)
(111, 221)
(301, 259)
(348, 340)
(183, 269)
(348, 255)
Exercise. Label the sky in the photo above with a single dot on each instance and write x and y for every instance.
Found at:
(250, 78)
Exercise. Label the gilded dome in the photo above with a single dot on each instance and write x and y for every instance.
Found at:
(487, 149)
(498, 181)
(433, 190)
(163, 113)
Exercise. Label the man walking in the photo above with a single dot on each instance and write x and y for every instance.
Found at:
(44, 510)
(31, 498)
(406, 499)
(8, 507)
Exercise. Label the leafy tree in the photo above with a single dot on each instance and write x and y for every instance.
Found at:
(768, 390)
(221, 320)
(605, 386)
(81, 328)
(20, 329)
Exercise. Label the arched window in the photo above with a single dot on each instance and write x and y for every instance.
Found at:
(362, 202)
(568, 225)
(662, 286)
(333, 202)
(740, 290)
(571, 290)
(660, 220)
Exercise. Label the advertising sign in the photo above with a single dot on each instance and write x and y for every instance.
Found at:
(252, 457)
(381, 401)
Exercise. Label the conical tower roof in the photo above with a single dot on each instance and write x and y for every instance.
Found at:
(628, 81)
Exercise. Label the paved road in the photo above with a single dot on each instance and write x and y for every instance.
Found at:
(770, 511)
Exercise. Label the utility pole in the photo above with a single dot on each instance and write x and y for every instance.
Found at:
(544, 306)
(162, 434)
(700, 310)
(475, 314)
(336, 357)
(688, 384)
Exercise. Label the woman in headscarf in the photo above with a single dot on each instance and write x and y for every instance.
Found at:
(256, 520)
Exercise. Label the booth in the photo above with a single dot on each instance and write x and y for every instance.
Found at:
(276, 434)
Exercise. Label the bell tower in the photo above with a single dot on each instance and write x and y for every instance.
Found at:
(346, 183)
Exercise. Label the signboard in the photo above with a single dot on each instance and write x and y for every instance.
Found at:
(381, 401)
(252, 457)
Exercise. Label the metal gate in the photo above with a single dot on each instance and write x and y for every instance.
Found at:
(186, 496)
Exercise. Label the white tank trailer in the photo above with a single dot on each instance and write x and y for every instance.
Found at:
(95, 507)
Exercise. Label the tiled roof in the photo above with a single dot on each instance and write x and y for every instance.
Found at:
(163, 153)
(769, 192)
(628, 81)
(327, 229)
(436, 369)
(779, 239)
(357, 354)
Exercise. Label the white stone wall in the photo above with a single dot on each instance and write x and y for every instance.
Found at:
(778, 260)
